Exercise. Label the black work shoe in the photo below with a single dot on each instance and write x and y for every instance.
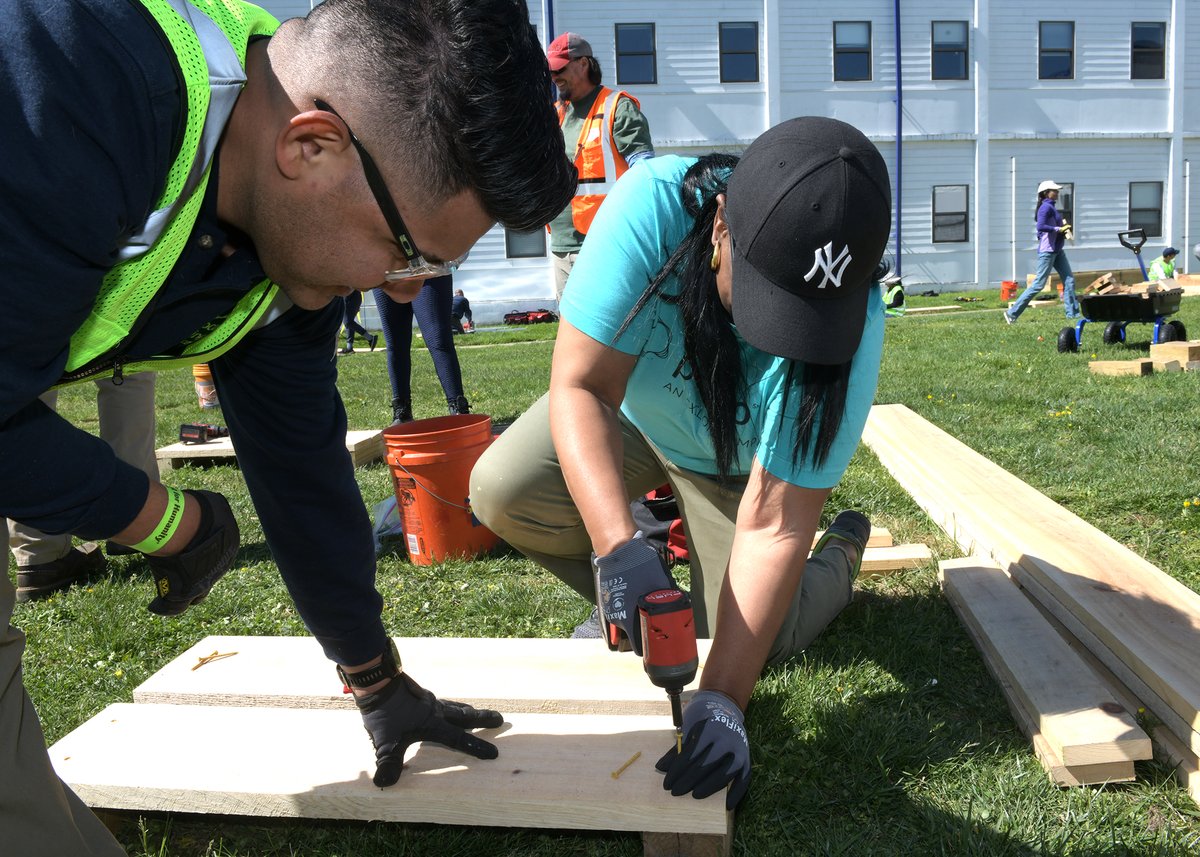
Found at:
(401, 412)
(346, 350)
(114, 549)
(35, 582)
(459, 405)
(185, 578)
(850, 527)
(372, 340)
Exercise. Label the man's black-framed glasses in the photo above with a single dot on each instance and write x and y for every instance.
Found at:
(418, 266)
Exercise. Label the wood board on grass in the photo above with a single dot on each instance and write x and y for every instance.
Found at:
(1138, 366)
(507, 674)
(364, 445)
(1087, 731)
(553, 771)
(880, 561)
(1143, 621)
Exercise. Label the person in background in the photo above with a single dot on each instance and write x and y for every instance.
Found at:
(893, 296)
(241, 177)
(1052, 233)
(723, 334)
(460, 308)
(431, 308)
(353, 302)
(49, 563)
(605, 134)
(1163, 268)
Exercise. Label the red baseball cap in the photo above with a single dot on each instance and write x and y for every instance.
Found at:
(567, 47)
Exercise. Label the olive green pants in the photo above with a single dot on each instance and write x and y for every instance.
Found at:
(518, 492)
(39, 815)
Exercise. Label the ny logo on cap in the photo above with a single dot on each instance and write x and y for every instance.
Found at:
(832, 268)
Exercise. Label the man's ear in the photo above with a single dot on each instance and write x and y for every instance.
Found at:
(309, 140)
(720, 225)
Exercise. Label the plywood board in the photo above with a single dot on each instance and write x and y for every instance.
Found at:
(1141, 619)
(1141, 366)
(1069, 706)
(554, 771)
(364, 445)
(507, 674)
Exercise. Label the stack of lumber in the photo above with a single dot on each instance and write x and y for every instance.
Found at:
(1097, 284)
(1115, 288)
(1186, 354)
(270, 733)
(1140, 625)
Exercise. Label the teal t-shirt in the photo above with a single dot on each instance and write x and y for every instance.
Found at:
(641, 222)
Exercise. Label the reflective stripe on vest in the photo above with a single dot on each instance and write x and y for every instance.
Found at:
(596, 156)
(209, 38)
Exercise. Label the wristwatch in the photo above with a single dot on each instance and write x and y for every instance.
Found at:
(389, 667)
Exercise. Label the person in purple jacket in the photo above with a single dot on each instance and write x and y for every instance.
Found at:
(1052, 232)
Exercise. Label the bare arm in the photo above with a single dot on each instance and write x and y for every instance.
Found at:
(776, 524)
(587, 385)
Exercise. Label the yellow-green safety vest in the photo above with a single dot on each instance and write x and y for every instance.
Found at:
(209, 38)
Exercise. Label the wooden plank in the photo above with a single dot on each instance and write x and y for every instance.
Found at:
(881, 561)
(1142, 366)
(917, 309)
(880, 537)
(1167, 746)
(364, 445)
(1068, 705)
(1140, 617)
(508, 674)
(553, 771)
(1167, 366)
(1183, 352)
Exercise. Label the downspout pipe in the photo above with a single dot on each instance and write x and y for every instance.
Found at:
(550, 33)
(899, 140)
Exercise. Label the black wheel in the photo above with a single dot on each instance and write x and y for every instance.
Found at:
(1114, 332)
(1166, 333)
(1067, 343)
(1179, 332)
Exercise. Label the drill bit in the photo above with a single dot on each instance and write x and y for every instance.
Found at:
(677, 719)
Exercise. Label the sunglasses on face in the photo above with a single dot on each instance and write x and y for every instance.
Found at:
(418, 266)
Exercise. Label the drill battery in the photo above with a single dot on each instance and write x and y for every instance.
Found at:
(201, 432)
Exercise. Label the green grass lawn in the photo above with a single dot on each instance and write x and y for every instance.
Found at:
(888, 737)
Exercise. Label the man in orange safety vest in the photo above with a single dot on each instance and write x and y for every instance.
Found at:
(607, 133)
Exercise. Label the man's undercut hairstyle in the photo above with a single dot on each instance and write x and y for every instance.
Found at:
(455, 91)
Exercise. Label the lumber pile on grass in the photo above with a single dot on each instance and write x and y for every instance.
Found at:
(1144, 289)
(1141, 625)
(270, 733)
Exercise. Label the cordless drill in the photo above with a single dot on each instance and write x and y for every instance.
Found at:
(669, 647)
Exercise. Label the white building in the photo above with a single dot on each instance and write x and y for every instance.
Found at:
(986, 98)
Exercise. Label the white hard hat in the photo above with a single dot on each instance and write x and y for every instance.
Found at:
(1048, 185)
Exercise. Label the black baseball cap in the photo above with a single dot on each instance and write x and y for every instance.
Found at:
(809, 208)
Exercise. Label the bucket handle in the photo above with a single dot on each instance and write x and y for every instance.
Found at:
(417, 482)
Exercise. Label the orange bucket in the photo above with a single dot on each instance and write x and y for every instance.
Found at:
(431, 463)
(1008, 290)
(206, 392)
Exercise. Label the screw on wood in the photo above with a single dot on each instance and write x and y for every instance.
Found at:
(621, 769)
(215, 656)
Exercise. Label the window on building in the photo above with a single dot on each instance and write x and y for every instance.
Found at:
(739, 52)
(851, 50)
(636, 59)
(948, 59)
(1056, 50)
(949, 213)
(1066, 203)
(1147, 50)
(524, 245)
(1145, 207)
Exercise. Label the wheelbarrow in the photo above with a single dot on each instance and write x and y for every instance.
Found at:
(1121, 310)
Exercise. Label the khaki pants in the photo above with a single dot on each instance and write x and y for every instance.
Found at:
(518, 492)
(126, 413)
(39, 815)
(563, 262)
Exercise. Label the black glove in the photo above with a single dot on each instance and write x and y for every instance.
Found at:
(403, 713)
(622, 577)
(716, 751)
(185, 578)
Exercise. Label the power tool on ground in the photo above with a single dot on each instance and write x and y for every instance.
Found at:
(201, 432)
(669, 647)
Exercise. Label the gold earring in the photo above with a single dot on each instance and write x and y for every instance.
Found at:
(715, 262)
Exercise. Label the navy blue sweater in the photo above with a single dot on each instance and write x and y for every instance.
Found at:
(91, 105)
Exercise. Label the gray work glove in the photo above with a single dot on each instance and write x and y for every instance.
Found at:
(185, 578)
(622, 577)
(403, 713)
(715, 753)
